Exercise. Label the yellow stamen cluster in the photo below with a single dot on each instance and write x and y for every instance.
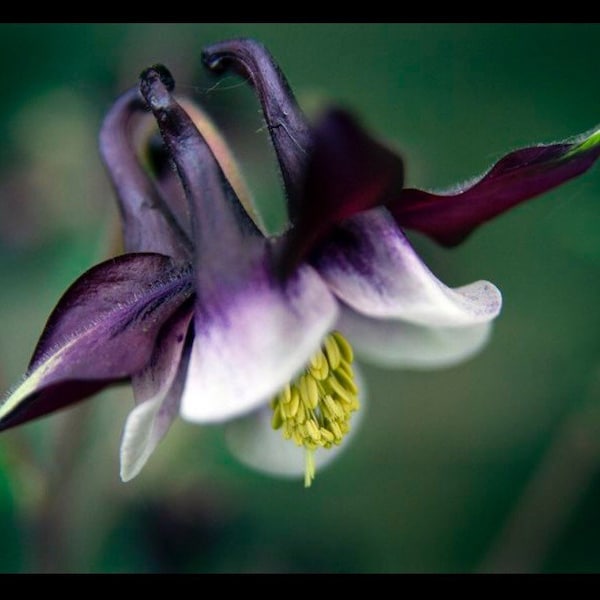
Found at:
(314, 410)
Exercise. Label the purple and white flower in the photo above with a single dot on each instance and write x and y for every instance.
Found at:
(211, 318)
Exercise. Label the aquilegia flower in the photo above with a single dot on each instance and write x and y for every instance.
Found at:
(211, 318)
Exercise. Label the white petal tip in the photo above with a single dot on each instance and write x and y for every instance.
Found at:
(382, 276)
(140, 438)
(393, 343)
(126, 476)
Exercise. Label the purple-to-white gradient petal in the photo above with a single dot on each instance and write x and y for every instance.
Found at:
(370, 265)
(249, 344)
(256, 444)
(393, 343)
(157, 391)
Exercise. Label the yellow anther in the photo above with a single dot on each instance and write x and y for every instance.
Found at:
(326, 434)
(344, 346)
(292, 407)
(315, 409)
(288, 430)
(336, 430)
(319, 368)
(330, 416)
(339, 390)
(332, 352)
(303, 388)
(312, 392)
(324, 373)
(346, 381)
(313, 430)
(286, 393)
(317, 360)
(301, 415)
(345, 368)
(277, 420)
(334, 408)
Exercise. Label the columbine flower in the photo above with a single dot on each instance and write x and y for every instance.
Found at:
(213, 319)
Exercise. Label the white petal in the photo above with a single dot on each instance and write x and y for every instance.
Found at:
(144, 429)
(372, 267)
(248, 349)
(256, 444)
(157, 392)
(394, 343)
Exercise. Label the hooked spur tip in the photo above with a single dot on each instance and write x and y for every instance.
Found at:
(156, 83)
(212, 60)
(219, 56)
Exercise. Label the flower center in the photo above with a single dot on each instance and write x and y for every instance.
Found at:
(315, 409)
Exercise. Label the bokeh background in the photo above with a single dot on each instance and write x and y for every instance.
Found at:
(493, 465)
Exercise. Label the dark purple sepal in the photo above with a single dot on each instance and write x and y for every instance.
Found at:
(449, 217)
(52, 398)
(102, 331)
(348, 172)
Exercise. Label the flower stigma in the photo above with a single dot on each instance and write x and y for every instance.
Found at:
(315, 409)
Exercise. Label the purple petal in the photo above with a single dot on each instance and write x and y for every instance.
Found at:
(167, 178)
(289, 130)
(449, 217)
(348, 172)
(370, 265)
(220, 224)
(224, 156)
(102, 330)
(157, 390)
(149, 224)
(251, 341)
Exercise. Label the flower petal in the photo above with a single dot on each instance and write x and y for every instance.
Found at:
(249, 344)
(288, 128)
(254, 442)
(330, 172)
(167, 178)
(394, 343)
(371, 266)
(449, 217)
(102, 330)
(157, 390)
(348, 172)
(220, 224)
(149, 224)
(224, 156)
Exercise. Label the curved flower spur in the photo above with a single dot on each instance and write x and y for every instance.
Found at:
(212, 319)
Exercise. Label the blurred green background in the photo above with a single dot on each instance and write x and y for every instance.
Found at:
(493, 465)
